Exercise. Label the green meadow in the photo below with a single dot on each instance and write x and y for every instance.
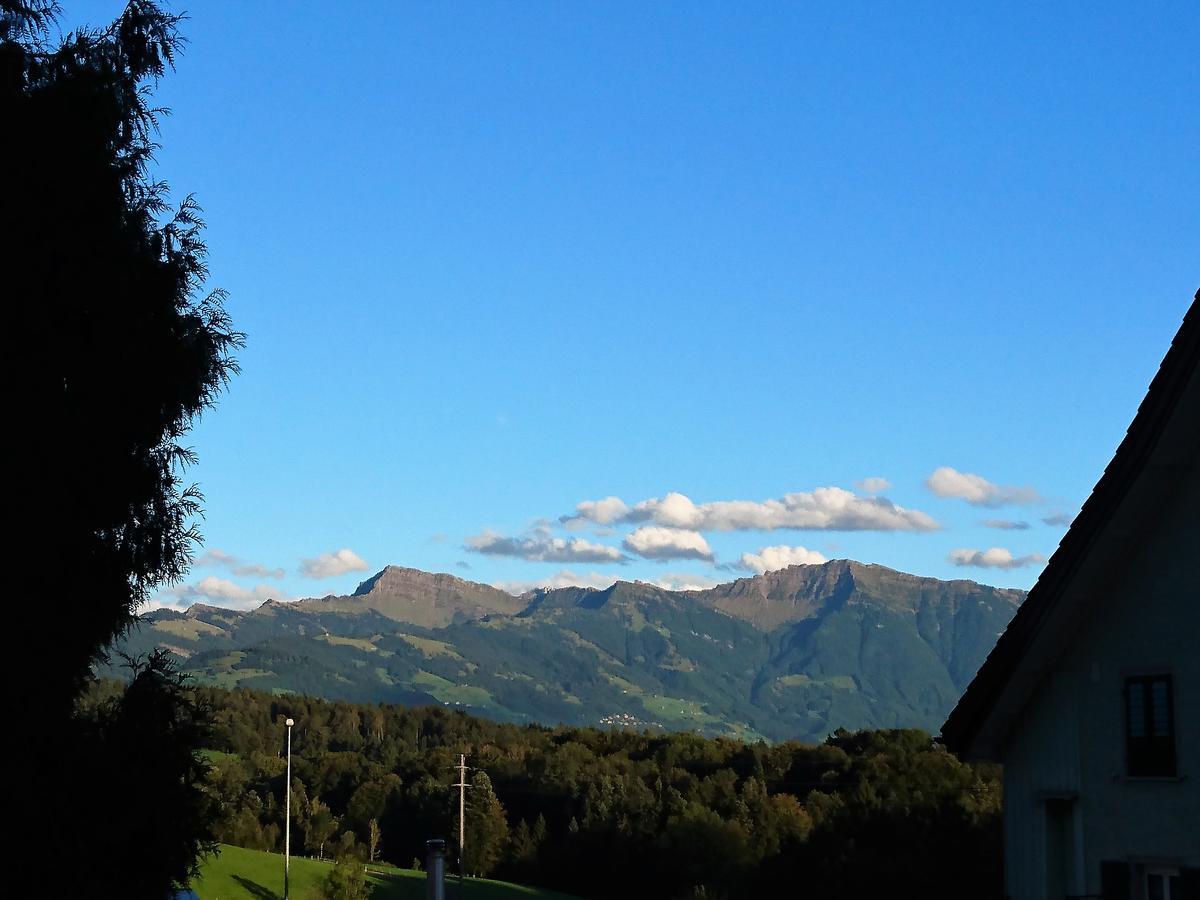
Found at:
(239, 874)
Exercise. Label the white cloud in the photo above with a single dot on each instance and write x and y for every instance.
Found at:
(216, 592)
(769, 559)
(671, 581)
(977, 490)
(824, 509)
(675, 510)
(684, 581)
(560, 579)
(328, 565)
(873, 485)
(219, 558)
(601, 512)
(541, 546)
(1059, 519)
(654, 542)
(162, 601)
(993, 558)
(1005, 524)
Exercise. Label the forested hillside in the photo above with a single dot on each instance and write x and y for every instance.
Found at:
(591, 811)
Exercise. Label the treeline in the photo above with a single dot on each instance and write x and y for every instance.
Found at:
(604, 813)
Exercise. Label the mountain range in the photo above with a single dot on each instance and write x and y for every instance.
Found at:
(793, 653)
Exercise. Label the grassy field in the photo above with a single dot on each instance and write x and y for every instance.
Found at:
(238, 874)
(449, 692)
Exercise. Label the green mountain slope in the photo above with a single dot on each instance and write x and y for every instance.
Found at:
(794, 653)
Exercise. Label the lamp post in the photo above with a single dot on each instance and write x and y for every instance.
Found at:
(287, 810)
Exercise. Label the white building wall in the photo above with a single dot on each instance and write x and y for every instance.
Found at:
(1070, 739)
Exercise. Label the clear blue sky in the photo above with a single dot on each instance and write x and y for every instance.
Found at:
(495, 259)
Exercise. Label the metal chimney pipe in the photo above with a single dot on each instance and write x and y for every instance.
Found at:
(435, 869)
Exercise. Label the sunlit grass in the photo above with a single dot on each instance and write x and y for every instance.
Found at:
(240, 874)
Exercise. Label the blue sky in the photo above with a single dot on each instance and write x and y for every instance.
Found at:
(495, 260)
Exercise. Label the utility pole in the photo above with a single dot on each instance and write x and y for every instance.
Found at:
(287, 807)
(462, 807)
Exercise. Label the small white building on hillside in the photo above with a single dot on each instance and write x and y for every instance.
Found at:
(1091, 697)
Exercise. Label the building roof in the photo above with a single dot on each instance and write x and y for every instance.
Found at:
(1171, 406)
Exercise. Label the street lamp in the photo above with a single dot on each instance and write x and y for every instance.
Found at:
(287, 810)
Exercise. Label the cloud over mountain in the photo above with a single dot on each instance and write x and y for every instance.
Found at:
(993, 558)
(220, 592)
(874, 485)
(1059, 519)
(977, 490)
(561, 579)
(684, 581)
(654, 542)
(219, 558)
(1005, 524)
(329, 565)
(541, 546)
(601, 512)
(769, 559)
(823, 509)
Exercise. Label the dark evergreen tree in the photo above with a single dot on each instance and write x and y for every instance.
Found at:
(486, 827)
(112, 348)
(144, 815)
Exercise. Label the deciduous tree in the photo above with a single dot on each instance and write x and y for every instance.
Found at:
(374, 838)
(321, 825)
(347, 880)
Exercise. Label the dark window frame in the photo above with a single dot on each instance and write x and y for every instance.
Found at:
(1149, 751)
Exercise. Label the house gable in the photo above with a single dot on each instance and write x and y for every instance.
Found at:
(1072, 804)
(1159, 451)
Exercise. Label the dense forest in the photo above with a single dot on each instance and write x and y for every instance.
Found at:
(602, 812)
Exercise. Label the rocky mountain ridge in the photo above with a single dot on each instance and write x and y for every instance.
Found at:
(429, 599)
(792, 653)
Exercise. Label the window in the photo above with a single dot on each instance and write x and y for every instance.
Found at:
(1163, 884)
(1149, 726)
(1120, 880)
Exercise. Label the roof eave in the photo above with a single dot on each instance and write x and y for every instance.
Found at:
(972, 730)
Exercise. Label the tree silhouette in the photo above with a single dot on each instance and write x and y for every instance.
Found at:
(148, 804)
(116, 349)
(112, 350)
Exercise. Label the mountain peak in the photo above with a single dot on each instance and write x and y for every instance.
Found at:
(393, 578)
(429, 599)
(802, 591)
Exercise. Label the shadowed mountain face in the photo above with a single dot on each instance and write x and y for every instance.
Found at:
(794, 653)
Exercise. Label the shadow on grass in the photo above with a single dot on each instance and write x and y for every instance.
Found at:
(254, 889)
